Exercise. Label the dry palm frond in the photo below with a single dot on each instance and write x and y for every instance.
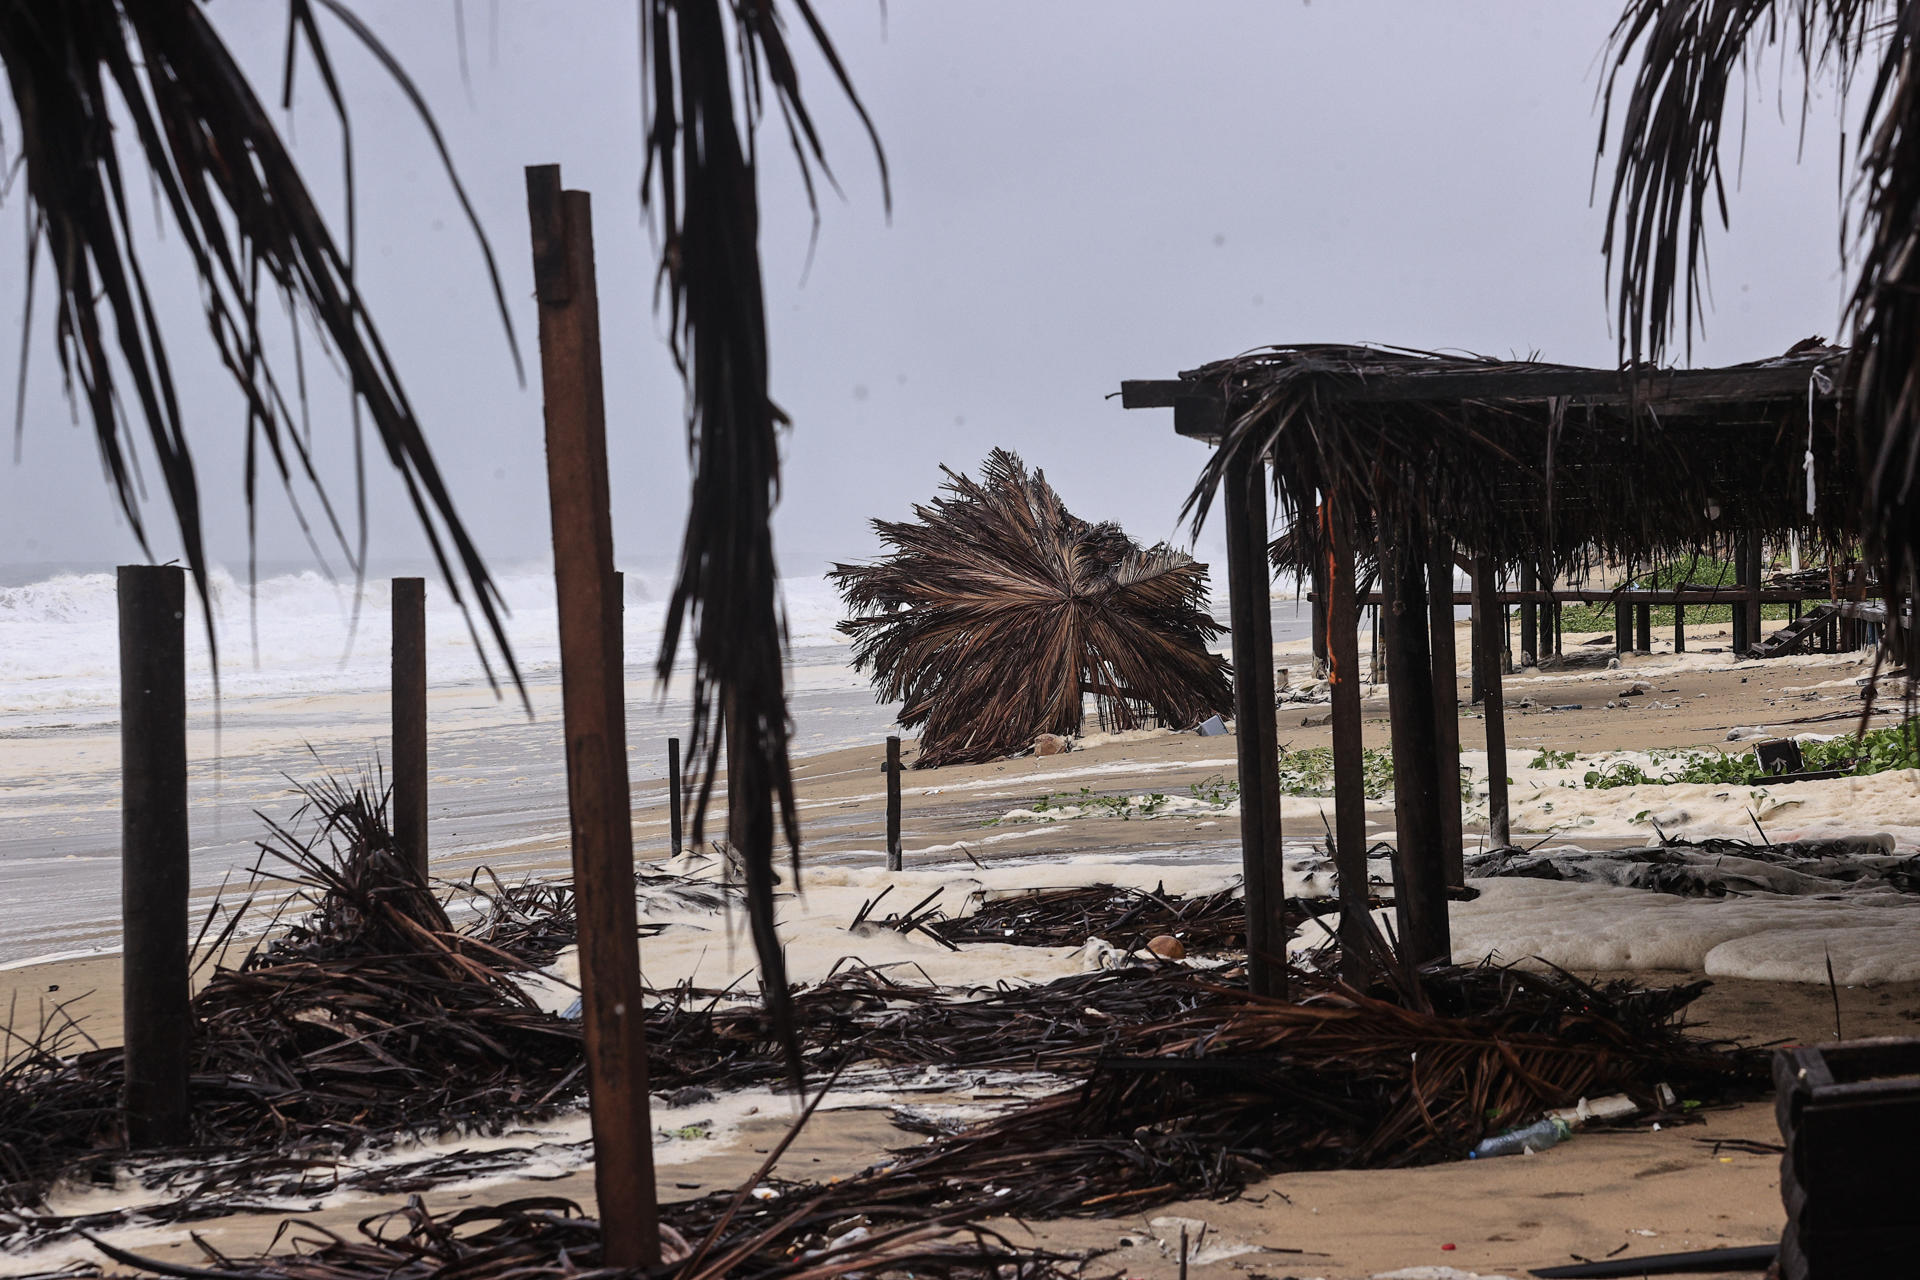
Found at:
(88, 75)
(701, 184)
(998, 609)
(1668, 186)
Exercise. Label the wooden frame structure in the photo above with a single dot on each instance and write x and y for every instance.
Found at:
(1424, 460)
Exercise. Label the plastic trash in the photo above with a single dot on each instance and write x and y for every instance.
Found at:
(1616, 1106)
(1535, 1137)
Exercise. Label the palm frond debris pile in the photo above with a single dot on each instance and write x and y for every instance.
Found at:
(998, 609)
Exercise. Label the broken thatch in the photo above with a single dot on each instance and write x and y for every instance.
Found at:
(999, 609)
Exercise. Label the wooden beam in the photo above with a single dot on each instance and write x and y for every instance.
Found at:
(1529, 616)
(1256, 738)
(593, 699)
(155, 1003)
(893, 802)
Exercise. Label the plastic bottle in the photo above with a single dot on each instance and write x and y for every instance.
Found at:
(1537, 1136)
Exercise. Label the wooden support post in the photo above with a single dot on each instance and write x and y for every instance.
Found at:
(1679, 628)
(1622, 626)
(1643, 627)
(1559, 634)
(1256, 735)
(153, 855)
(1490, 660)
(893, 803)
(1476, 623)
(1741, 637)
(1419, 895)
(1319, 612)
(1446, 707)
(1750, 605)
(675, 811)
(410, 721)
(1349, 782)
(1529, 617)
(592, 667)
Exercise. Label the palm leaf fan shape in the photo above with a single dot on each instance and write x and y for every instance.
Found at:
(701, 185)
(998, 609)
(84, 75)
(1669, 187)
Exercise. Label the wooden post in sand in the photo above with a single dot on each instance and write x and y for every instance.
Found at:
(673, 795)
(892, 768)
(1490, 659)
(410, 721)
(1256, 735)
(1446, 707)
(153, 854)
(1529, 617)
(1349, 784)
(1419, 871)
(592, 677)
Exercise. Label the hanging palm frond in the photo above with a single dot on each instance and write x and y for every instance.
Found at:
(1668, 185)
(998, 609)
(701, 185)
(88, 75)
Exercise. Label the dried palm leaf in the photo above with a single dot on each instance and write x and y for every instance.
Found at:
(998, 609)
(85, 75)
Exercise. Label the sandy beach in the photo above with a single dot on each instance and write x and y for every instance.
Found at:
(1024, 823)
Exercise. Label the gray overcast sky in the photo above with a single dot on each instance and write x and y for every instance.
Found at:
(1083, 192)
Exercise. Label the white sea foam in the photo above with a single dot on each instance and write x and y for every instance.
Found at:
(298, 634)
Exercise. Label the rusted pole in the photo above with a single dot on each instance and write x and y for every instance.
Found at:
(1256, 735)
(1419, 872)
(1490, 660)
(153, 854)
(410, 721)
(1446, 707)
(674, 810)
(893, 803)
(1349, 781)
(593, 699)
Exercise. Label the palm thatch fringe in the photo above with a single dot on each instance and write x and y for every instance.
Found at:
(1668, 186)
(998, 609)
(77, 70)
(701, 186)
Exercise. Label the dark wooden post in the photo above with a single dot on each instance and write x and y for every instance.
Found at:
(1256, 735)
(1446, 707)
(1319, 611)
(674, 811)
(1643, 627)
(893, 803)
(1349, 782)
(1491, 658)
(593, 698)
(1679, 627)
(1419, 895)
(1742, 638)
(1751, 603)
(1622, 626)
(153, 854)
(410, 721)
(1529, 617)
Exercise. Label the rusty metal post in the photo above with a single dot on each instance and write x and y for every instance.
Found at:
(153, 854)
(1256, 733)
(1490, 660)
(594, 703)
(893, 803)
(674, 811)
(410, 721)
(1349, 782)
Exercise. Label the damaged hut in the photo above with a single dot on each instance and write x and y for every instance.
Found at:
(1429, 460)
(998, 610)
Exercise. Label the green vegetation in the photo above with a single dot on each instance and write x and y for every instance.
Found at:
(1700, 571)
(1302, 773)
(1895, 747)
(1551, 759)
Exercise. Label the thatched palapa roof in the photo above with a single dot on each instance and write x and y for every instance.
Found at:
(999, 608)
(1518, 457)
